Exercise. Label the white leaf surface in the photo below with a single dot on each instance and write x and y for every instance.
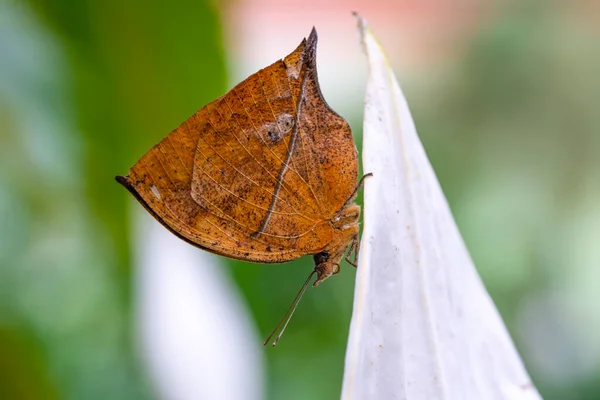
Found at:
(423, 325)
(196, 337)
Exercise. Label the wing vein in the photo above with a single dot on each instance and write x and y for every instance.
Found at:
(236, 195)
(173, 215)
(265, 143)
(177, 154)
(245, 176)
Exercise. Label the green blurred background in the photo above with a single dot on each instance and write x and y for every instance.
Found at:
(510, 121)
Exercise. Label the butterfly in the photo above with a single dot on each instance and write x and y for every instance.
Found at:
(265, 173)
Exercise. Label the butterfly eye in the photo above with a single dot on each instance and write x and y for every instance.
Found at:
(321, 257)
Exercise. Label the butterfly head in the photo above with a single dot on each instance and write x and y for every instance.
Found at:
(324, 267)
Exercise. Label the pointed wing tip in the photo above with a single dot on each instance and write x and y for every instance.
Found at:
(313, 38)
(310, 51)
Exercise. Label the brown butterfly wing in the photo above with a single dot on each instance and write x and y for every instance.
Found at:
(244, 177)
(242, 148)
(324, 161)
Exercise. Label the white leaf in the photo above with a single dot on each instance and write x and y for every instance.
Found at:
(423, 325)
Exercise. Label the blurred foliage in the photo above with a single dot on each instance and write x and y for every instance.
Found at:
(92, 86)
(513, 133)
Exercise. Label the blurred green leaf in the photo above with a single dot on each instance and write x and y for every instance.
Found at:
(115, 77)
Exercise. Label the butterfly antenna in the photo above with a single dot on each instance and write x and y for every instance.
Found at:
(290, 311)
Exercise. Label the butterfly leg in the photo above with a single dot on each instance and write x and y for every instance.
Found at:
(353, 249)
